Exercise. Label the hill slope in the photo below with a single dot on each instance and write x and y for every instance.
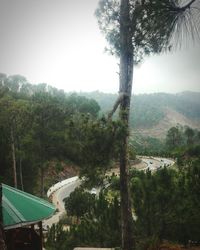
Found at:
(172, 118)
(153, 114)
(150, 115)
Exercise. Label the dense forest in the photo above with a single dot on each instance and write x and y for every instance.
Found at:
(152, 115)
(43, 129)
(166, 203)
(41, 126)
(148, 109)
(177, 137)
(165, 211)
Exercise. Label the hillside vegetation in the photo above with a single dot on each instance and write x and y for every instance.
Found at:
(154, 114)
(44, 130)
(24, 106)
(41, 128)
(151, 114)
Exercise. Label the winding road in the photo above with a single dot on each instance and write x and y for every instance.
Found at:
(152, 163)
(57, 200)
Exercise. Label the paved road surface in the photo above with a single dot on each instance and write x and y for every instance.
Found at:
(65, 192)
(57, 199)
(152, 163)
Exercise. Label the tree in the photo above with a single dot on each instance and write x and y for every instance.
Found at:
(135, 28)
(14, 119)
(7, 117)
(47, 133)
(189, 133)
(15, 82)
(83, 105)
(99, 223)
(16, 125)
(91, 144)
(79, 203)
(166, 204)
(56, 237)
(173, 138)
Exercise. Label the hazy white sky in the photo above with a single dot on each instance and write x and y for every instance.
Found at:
(58, 42)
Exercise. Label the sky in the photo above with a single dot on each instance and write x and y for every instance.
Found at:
(58, 42)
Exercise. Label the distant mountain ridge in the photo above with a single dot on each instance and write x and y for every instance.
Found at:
(153, 114)
(150, 114)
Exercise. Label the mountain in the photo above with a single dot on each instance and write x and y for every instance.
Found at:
(150, 114)
(153, 114)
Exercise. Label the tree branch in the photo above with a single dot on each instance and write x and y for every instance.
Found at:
(115, 106)
(185, 7)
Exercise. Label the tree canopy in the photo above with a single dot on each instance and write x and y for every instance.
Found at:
(35, 126)
(154, 26)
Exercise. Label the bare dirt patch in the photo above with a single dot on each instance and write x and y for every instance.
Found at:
(172, 118)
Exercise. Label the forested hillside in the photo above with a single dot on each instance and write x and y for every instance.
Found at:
(153, 114)
(43, 129)
(38, 126)
(149, 112)
(36, 121)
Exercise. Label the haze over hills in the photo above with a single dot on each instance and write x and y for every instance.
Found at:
(154, 114)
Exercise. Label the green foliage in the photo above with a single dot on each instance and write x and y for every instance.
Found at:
(56, 237)
(83, 105)
(187, 103)
(182, 141)
(131, 152)
(147, 145)
(147, 110)
(166, 207)
(166, 204)
(92, 144)
(102, 229)
(49, 125)
(173, 138)
(152, 25)
(105, 100)
(79, 203)
(38, 117)
(189, 133)
(98, 227)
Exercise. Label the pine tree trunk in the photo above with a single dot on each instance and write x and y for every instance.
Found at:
(13, 158)
(126, 76)
(42, 181)
(21, 174)
(20, 164)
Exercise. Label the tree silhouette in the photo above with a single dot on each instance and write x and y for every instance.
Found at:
(134, 29)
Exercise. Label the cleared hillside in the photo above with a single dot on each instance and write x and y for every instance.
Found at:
(150, 115)
(153, 114)
(172, 118)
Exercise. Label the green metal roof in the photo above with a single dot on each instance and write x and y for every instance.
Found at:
(20, 208)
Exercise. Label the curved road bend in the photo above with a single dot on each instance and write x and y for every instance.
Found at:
(57, 200)
(152, 163)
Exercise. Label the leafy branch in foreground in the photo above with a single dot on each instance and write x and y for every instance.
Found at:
(92, 144)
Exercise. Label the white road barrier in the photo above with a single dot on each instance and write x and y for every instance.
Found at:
(60, 184)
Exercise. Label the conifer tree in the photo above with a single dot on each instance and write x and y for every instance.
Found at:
(133, 29)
